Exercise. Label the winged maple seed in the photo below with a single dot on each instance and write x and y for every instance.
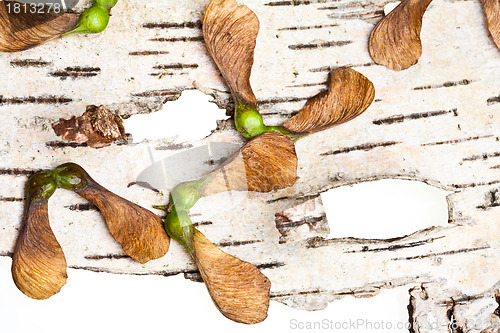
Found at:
(38, 264)
(230, 32)
(348, 95)
(24, 30)
(395, 40)
(492, 10)
(238, 289)
(265, 163)
(139, 231)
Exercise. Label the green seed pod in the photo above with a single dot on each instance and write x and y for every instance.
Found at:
(248, 120)
(184, 195)
(92, 21)
(71, 176)
(107, 4)
(179, 226)
(41, 185)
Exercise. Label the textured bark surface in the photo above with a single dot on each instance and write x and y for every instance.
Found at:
(437, 122)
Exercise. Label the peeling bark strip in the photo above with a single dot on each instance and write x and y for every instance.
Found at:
(445, 253)
(319, 45)
(448, 84)
(30, 63)
(6, 254)
(173, 25)
(472, 138)
(309, 27)
(75, 72)
(35, 100)
(332, 68)
(483, 157)
(395, 247)
(365, 147)
(178, 39)
(399, 118)
(147, 53)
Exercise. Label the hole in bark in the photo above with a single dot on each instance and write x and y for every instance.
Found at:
(191, 117)
(384, 209)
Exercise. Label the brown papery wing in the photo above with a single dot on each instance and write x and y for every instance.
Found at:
(492, 10)
(24, 30)
(395, 40)
(348, 95)
(267, 162)
(239, 290)
(230, 32)
(139, 231)
(38, 264)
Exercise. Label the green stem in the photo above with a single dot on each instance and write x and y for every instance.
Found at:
(179, 226)
(41, 186)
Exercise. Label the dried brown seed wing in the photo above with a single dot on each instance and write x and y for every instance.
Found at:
(395, 40)
(267, 162)
(348, 95)
(239, 290)
(492, 10)
(24, 30)
(139, 231)
(38, 264)
(230, 32)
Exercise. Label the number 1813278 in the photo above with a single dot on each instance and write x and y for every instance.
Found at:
(33, 8)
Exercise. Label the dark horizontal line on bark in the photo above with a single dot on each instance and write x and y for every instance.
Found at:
(75, 72)
(462, 300)
(6, 254)
(293, 224)
(445, 253)
(493, 182)
(178, 39)
(175, 66)
(82, 206)
(62, 144)
(160, 74)
(145, 185)
(48, 99)
(283, 100)
(396, 246)
(495, 167)
(82, 69)
(320, 45)
(307, 85)
(30, 63)
(493, 100)
(172, 25)
(18, 172)
(147, 53)
(482, 157)
(174, 146)
(448, 84)
(364, 147)
(297, 2)
(107, 256)
(454, 141)
(399, 118)
(309, 27)
(270, 265)
(158, 93)
(332, 68)
(363, 15)
(238, 243)
(11, 199)
(197, 224)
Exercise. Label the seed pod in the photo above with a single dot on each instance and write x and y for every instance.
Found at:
(492, 10)
(349, 94)
(24, 30)
(239, 290)
(38, 264)
(139, 231)
(92, 21)
(395, 40)
(230, 32)
(267, 162)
